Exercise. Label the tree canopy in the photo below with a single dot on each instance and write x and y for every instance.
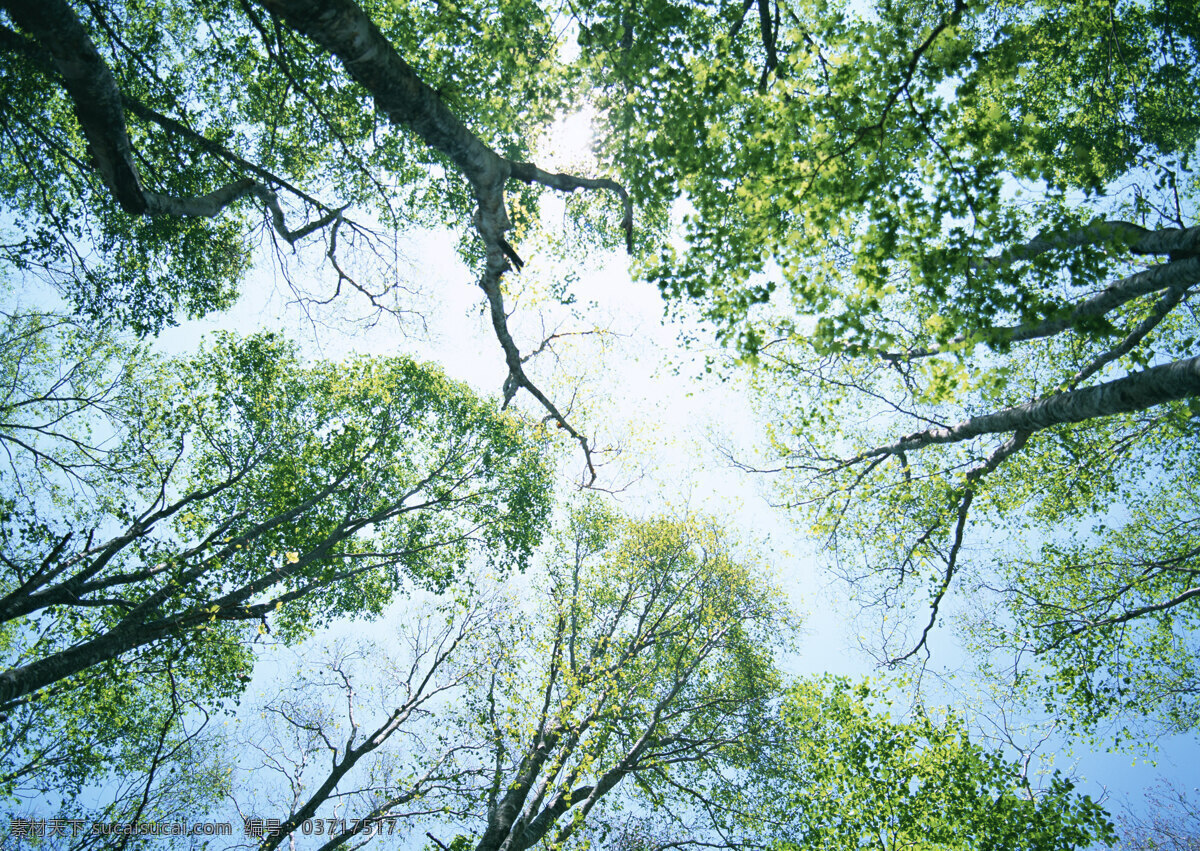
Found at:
(634, 704)
(986, 333)
(239, 493)
(953, 243)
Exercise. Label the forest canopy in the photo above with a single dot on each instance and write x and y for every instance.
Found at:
(952, 246)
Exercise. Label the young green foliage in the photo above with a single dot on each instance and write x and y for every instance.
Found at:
(244, 492)
(959, 243)
(649, 655)
(844, 775)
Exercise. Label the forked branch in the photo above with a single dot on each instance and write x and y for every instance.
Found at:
(65, 50)
(344, 29)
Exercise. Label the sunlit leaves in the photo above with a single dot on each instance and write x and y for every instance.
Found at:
(845, 774)
(244, 493)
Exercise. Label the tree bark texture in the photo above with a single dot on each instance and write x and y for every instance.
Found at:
(1136, 392)
(93, 91)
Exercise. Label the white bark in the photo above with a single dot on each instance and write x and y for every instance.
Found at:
(1135, 392)
(1114, 234)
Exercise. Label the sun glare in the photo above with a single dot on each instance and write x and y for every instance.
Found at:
(569, 143)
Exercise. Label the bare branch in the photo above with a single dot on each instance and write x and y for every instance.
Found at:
(530, 173)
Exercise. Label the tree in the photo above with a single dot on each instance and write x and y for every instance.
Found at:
(252, 490)
(846, 775)
(165, 132)
(959, 243)
(652, 653)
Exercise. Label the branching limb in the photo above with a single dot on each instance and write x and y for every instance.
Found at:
(342, 28)
(517, 379)
(201, 141)
(1117, 235)
(1135, 392)
(1179, 274)
(910, 70)
(93, 91)
(741, 19)
(421, 689)
(1161, 308)
(1143, 577)
(548, 341)
(770, 29)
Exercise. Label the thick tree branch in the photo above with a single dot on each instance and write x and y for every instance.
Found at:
(1125, 617)
(214, 203)
(741, 19)
(1181, 274)
(99, 107)
(148, 623)
(509, 808)
(769, 30)
(201, 141)
(1118, 235)
(93, 91)
(1135, 392)
(1178, 274)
